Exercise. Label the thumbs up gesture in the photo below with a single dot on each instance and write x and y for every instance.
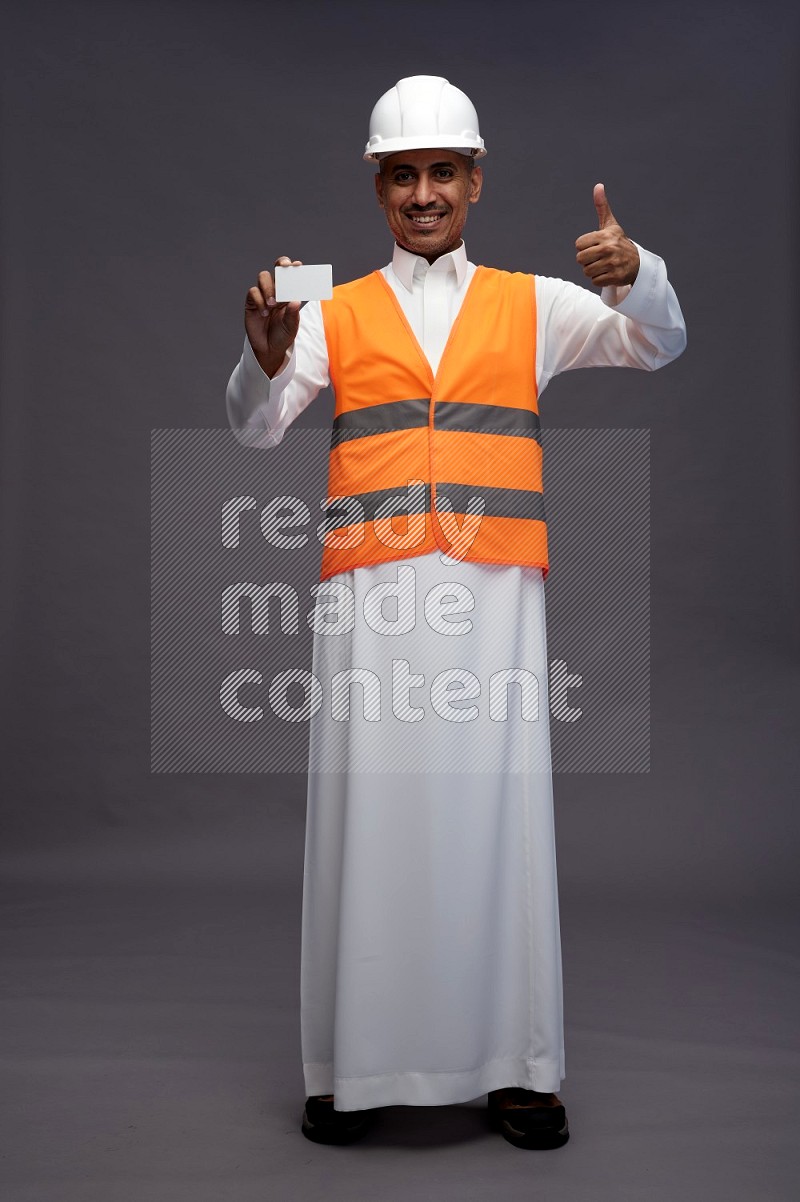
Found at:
(606, 255)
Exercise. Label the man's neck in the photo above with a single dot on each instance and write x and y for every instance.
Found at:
(429, 259)
(407, 266)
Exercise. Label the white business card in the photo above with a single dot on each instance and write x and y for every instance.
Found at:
(312, 281)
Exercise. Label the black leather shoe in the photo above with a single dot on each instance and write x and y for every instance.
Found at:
(539, 1126)
(324, 1125)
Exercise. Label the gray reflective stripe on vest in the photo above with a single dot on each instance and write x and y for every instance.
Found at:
(380, 419)
(486, 419)
(497, 502)
(465, 416)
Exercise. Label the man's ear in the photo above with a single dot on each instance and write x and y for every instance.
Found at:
(476, 183)
(379, 188)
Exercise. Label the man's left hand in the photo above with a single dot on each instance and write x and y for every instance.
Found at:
(606, 255)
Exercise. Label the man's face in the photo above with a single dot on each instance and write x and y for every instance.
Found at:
(425, 195)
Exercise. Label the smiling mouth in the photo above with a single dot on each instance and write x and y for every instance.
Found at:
(423, 219)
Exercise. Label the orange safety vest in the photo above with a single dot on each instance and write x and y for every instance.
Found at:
(416, 457)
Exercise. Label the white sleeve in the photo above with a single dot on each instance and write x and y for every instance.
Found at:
(639, 325)
(260, 410)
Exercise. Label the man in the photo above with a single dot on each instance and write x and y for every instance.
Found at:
(431, 962)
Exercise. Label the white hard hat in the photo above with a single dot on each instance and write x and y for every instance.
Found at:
(423, 112)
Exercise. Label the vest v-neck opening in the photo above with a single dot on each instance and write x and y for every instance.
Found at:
(433, 375)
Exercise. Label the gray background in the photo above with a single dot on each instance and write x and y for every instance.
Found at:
(154, 157)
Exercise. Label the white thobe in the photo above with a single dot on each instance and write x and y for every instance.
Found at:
(431, 957)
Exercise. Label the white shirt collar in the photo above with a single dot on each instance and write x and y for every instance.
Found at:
(408, 267)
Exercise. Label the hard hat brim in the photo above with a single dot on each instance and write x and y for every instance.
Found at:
(378, 148)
